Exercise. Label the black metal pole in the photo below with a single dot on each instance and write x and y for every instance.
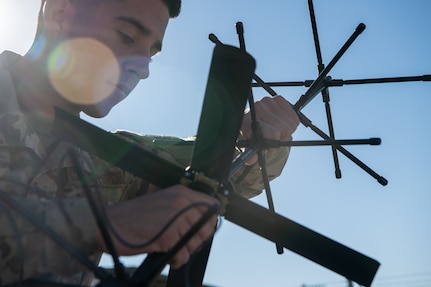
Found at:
(308, 123)
(257, 136)
(325, 91)
(319, 84)
(329, 82)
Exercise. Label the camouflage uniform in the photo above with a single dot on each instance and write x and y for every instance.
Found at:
(37, 173)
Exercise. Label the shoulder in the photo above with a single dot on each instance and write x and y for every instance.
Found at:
(7, 59)
(175, 149)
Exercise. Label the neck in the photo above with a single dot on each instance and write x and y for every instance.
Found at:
(35, 93)
(34, 89)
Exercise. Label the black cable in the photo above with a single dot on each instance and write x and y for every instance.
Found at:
(77, 254)
(148, 271)
(119, 269)
(156, 237)
(160, 233)
(154, 263)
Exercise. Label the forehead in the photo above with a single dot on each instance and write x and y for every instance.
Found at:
(151, 13)
(138, 6)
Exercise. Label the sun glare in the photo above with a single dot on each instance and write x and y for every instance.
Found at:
(6, 16)
(83, 67)
(17, 24)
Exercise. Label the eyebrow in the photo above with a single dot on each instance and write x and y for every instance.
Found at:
(140, 27)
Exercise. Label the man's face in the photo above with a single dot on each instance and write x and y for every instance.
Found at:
(105, 50)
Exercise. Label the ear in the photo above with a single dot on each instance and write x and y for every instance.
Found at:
(56, 14)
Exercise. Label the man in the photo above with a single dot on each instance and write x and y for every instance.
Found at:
(87, 57)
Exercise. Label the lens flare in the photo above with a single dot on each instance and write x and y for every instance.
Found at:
(37, 49)
(83, 70)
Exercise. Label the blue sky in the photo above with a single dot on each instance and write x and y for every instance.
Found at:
(388, 223)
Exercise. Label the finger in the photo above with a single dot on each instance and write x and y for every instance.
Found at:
(287, 109)
(271, 131)
(189, 220)
(180, 258)
(271, 124)
(195, 243)
(205, 231)
(197, 196)
(183, 224)
(277, 114)
(276, 107)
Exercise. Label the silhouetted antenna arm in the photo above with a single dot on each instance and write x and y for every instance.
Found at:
(325, 91)
(308, 123)
(319, 84)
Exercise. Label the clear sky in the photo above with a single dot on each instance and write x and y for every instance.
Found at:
(388, 223)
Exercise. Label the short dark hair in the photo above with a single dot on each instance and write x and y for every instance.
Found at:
(174, 7)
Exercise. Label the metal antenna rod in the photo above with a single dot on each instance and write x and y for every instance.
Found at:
(308, 123)
(318, 85)
(257, 135)
(325, 91)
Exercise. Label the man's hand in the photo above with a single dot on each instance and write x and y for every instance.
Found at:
(141, 219)
(277, 121)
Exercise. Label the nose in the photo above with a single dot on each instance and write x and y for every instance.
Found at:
(138, 65)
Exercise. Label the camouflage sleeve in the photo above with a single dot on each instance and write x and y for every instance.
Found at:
(179, 151)
(27, 252)
(251, 184)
